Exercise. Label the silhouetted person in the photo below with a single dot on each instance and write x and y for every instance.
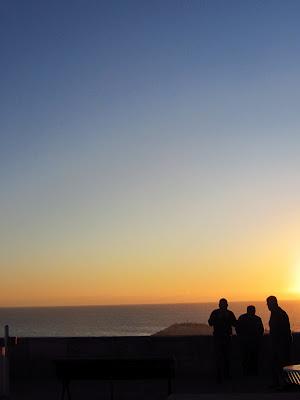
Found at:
(250, 330)
(222, 320)
(280, 339)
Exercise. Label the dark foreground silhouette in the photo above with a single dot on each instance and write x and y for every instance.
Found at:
(32, 360)
(280, 340)
(222, 320)
(250, 330)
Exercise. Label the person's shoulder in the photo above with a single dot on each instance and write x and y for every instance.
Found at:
(231, 314)
(282, 312)
(214, 312)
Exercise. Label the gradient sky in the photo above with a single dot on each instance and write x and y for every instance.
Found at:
(149, 151)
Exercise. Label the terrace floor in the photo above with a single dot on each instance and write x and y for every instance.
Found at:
(183, 389)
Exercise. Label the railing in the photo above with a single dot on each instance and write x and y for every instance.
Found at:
(4, 366)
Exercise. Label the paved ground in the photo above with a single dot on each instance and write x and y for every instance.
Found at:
(184, 389)
(237, 396)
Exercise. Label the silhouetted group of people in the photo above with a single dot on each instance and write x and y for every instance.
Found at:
(249, 329)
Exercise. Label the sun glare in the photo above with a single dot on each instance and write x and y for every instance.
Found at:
(295, 279)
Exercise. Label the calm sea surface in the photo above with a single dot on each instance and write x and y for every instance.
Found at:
(133, 320)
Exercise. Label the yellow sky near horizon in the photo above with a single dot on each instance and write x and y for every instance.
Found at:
(255, 268)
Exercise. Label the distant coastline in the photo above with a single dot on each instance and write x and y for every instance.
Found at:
(185, 329)
(191, 329)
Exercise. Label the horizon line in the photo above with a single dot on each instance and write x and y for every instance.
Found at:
(141, 304)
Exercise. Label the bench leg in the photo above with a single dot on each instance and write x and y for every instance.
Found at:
(65, 389)
(111, 384)
(169, 386)
(68, 391)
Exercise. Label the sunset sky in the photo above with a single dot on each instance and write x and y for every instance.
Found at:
(150, 151)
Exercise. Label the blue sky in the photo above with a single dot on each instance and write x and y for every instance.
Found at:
(162, 121)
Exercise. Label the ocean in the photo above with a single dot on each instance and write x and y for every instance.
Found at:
(127, 320)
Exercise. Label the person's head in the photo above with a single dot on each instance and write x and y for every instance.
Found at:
(272, 303)
(223, 304)
(251, 310)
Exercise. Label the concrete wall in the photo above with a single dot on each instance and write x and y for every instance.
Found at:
(33, 357)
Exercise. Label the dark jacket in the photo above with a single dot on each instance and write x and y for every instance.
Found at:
(280, 330)
(222, 321)
(249, 327)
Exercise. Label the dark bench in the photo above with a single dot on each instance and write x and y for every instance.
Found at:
(71, 369)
